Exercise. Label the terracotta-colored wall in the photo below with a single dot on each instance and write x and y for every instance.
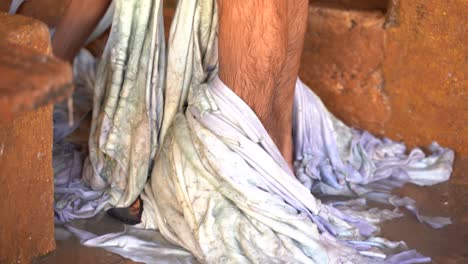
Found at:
(400, 74)
(30, 82)
(26, 187)
(425, 69)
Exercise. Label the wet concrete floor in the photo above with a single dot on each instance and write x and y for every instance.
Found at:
(448, 245)
(70, 251)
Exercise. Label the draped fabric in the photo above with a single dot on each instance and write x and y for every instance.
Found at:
(219, 188)
(212, 181)
(128, 97)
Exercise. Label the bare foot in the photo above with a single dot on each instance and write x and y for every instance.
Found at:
(128, 215)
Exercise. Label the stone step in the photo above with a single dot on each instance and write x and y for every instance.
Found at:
(31, 80)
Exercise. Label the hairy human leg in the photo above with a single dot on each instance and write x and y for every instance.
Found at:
(252, 41)
(260, 44)
(281, 115)
(78, 22)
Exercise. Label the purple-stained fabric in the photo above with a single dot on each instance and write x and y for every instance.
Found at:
(333, 159)
(73, 198)
(226, 158)
(75, 201)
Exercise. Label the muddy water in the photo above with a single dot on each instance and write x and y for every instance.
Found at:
(70, 251)
(445, 246)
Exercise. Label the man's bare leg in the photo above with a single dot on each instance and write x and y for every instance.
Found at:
(76, 25)
(284, 92)
(260, 44)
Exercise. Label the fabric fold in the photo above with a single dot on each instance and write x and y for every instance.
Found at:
(219, 187)
(220, 194)
(126, 109)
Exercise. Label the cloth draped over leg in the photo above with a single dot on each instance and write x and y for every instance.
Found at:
(219, 187)
(127, 110)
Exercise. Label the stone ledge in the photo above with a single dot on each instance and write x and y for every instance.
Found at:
(29, 76)
(353, 4)
(26, 187)
(29, 80)
(26, 32)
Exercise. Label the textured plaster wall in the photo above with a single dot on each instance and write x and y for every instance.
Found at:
(398, 72)
(26, 187)
(30, 82)
(425, 70)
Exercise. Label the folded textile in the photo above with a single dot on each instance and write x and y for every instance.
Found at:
(127, 110)
(219, 187)
(139, 245)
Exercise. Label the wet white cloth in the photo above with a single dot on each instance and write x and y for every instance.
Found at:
(219, 187)
(146, 246)
(333, 159)
(127, 110)
(221, 190)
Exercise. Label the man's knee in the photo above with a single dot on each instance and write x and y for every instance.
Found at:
(254, 34)
(253, 42)
(75, 26)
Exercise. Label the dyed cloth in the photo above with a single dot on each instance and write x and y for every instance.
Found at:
(219, 187)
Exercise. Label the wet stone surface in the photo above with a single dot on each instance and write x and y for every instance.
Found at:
(29, 76)
(445, 246)
(448, 245)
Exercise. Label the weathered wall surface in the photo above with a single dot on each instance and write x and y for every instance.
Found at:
(30, 82)
(400, 74)
(26, 187)
(342, 63)
(24, 31)
(425, 71)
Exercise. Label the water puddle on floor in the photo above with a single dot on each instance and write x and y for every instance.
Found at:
(448, 245)
(70, 251)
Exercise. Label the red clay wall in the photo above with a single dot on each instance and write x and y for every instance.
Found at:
(26, 187)
(399, 74)
(425, 71)
(30, 82)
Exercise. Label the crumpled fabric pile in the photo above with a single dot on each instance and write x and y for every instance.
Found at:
(166, 128)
